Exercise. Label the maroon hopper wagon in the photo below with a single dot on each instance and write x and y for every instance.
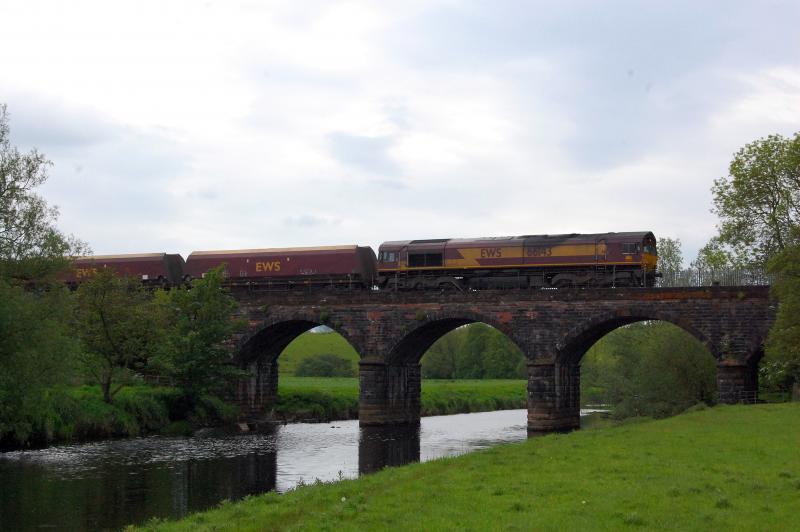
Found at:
(324, 265)
(151, 268)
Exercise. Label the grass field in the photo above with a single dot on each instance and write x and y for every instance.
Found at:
(724, 468)
(309, 398)
(309, 344)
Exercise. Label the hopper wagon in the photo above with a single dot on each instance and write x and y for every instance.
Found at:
(156, 269)
(347, 266)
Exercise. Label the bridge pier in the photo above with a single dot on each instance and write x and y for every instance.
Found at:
(553, 397)
(389, 393)
(737, 383)
(257, 391)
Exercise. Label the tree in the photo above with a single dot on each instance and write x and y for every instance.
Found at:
(199, 322)
(30, 245)
(474, 351)
(670, 256)
(715, 256)
(325, 365)
(502, 358)
(759, 202)
(119, 329)
(36, 346)
(470, 363)
(37, 352)
(441, 360)
(648, 369)
(783, 342)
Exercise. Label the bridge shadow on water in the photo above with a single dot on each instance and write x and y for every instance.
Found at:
(109, 484)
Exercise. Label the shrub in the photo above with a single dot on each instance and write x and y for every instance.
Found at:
(325, 365)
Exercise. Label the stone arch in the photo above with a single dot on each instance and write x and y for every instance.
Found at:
(258, 353)
(270, 338)
(573, 345)
(416, 342)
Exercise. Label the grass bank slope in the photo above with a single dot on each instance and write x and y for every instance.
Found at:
(310, 344)
(328, 398)
(726, 468)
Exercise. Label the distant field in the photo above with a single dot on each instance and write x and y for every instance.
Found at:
(315, 344)
(328, 398)
(723, 468)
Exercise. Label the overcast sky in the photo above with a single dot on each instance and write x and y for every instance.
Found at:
(180, 126)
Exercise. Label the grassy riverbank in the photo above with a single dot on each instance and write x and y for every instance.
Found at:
(80, 414)
(309, 398)
(724, 468)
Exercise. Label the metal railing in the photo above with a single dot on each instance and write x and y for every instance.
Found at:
(720, 277)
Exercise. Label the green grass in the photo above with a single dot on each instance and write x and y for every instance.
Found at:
(441, 397)
(79, 414)
(723, 468)
(309, 344)
(325, 399)
(312, 398)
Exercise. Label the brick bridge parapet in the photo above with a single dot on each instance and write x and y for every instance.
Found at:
(553, 328)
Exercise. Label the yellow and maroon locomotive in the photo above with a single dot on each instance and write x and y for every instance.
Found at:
(531, 261)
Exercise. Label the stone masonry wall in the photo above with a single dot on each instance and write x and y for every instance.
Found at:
(553, 328)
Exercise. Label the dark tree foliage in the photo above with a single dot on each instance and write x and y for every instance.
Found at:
(650, 369)
(36, 346)
(475, 351)
(325, 365)
(119, 329)
(759, 210)
(37, 353)
(199, 321)
(781, 367)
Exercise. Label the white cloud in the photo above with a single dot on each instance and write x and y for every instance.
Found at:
(182, 126)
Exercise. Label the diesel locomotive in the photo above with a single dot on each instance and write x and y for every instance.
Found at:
(531, 261)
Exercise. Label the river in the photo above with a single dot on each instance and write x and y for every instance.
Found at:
(109, 484)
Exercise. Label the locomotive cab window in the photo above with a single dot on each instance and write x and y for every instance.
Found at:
(650, 248)
(420, 260)
(388, 256)
(630, 249)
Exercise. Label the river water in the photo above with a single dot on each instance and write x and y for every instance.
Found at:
(109, 484)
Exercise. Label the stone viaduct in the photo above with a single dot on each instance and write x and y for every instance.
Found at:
(553, 328)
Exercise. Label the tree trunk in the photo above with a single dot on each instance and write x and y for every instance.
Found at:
(106, 385)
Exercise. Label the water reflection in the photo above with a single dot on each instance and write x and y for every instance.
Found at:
(109, 484)
(380, 447)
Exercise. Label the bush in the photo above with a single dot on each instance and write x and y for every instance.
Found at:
(325, 365)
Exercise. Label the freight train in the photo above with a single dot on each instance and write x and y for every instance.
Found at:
(531, 261)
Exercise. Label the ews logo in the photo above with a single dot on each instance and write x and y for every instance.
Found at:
(265, 267)
(84, 273)
(491, 253)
